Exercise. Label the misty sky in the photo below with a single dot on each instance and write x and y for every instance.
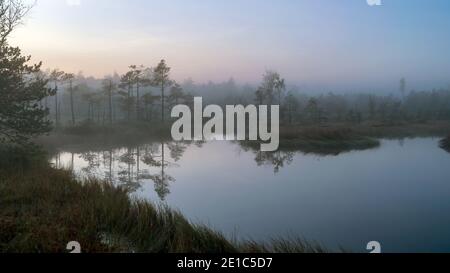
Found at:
(322, 44)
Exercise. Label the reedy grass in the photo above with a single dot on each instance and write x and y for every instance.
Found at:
(42, 209)
(320, 140)
(336, 138)
(326, 141)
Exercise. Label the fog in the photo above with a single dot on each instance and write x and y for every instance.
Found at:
(320, 46)
(201, 126)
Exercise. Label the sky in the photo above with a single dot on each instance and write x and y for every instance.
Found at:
(327, 45)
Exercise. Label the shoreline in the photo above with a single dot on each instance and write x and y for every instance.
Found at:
(45, 208)
(333, 136)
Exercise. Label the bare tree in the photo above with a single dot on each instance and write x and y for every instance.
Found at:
(56, 78)
(109, 87)
(280, 85)
(12, 13)
(272, 83)
(68, 78)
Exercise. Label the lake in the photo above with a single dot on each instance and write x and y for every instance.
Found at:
(397, 194)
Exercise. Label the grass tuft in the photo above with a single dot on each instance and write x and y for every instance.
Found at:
(43, 209)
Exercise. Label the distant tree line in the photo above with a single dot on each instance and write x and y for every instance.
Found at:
(300, 108)
(33, 100)
(410, 106)
(142, 94)
(148, 94)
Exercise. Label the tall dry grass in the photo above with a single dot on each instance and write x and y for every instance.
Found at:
(42, 209)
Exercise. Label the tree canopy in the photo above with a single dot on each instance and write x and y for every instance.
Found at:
(22, 85)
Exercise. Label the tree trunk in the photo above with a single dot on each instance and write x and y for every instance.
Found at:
(59, 112)
(110, 166)
(98, 114)
(163, 161)
(110, 104)
(162, 102)
(128, 103)
(89, 111)
(56, 105)
(138, 160)
(150, 113)
(138, 116)
(71, 104)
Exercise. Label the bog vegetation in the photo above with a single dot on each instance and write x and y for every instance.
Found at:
(43, 208)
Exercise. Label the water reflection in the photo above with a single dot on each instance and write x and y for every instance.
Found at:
(156, 159)
(344, 200)
(278, 160)
(134, 165)
(128, 167)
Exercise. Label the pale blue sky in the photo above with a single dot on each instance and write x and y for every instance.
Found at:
(313, 43)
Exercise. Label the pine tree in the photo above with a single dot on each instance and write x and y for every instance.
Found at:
(161, 79)
(22, 88)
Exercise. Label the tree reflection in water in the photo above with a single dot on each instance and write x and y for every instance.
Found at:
(93, 162)
(158, 160)
(278, 160)
(128, 169)
(132, 166)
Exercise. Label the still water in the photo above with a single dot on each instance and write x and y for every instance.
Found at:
(397, 194)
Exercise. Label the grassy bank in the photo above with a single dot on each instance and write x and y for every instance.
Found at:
(372, 130)
(339, 138)
(87, 136)
(325, 140)
(42, 209)
(402, 130)
(321, 141)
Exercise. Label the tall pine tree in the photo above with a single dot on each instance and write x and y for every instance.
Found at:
(22, 85)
